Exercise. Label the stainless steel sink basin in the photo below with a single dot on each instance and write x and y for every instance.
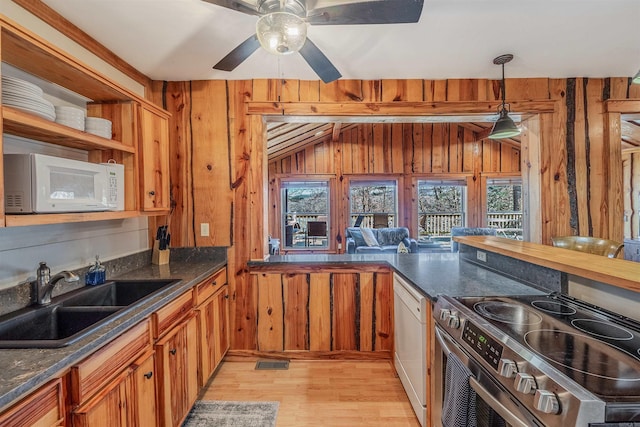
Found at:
(74, 315)
(115, 293)
(50, 326)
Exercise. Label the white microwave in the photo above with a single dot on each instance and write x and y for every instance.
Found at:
(37, 183)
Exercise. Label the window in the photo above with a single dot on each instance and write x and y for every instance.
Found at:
(373, 204)
(504, 206)
(441, 205)
(305, 214)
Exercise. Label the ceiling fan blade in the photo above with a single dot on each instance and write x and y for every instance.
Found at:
(239, 54)
(368, 12)
(319, 62)
(238, 5)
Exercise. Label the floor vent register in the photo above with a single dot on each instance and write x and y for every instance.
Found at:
(272, 365)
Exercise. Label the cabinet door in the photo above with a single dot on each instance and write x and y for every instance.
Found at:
(109, 408)
(43, 408)
(177, 369)
(213, 333)
(144, 413)
(154, 160)
(221, 312)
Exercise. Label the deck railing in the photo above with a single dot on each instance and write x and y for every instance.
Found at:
(508, 224)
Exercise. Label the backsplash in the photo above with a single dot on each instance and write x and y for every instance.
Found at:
(539, 277)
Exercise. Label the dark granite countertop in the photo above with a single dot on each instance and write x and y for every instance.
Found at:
(431, 273)
(23, 370)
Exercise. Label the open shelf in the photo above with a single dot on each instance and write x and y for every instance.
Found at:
(26, 125)
(58, 218)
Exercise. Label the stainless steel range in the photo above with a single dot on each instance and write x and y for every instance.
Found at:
(547, 360)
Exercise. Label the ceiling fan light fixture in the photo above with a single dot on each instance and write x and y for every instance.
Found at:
(636, 78)
(281, 33)
(504, 127)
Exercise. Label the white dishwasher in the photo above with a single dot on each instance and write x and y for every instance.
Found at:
(410, 308)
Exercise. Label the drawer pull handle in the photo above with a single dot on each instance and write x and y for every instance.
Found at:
(214, 283)
(148, 375)
(226, 296)
(173, 352)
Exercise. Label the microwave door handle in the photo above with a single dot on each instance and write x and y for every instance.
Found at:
(508, 416)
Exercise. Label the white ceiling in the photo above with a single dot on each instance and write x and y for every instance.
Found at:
(183, 39)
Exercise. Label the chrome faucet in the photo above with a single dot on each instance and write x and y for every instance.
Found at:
(44, 283)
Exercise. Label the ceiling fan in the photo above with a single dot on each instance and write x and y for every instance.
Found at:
(282, 26)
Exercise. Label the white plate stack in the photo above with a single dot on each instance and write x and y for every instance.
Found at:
(70, 116)
(20, 94)
(98, 126)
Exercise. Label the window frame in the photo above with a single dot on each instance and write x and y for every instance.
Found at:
(365, 179)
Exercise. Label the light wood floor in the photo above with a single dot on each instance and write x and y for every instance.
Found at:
(319, 393)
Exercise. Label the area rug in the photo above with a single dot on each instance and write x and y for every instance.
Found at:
(220, 413)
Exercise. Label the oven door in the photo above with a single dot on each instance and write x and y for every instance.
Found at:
(495, 406)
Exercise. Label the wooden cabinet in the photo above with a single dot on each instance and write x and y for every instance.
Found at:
(177, 368)
(213, 323)
(43, 408)
(25, 50)
(154, 160)
(326, 312)
(105, 390)
(128, 400)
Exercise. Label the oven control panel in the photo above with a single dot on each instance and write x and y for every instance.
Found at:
(485, 346)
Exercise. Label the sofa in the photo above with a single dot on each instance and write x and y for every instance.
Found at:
(387, 240)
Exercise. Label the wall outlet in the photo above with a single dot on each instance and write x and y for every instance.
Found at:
(339, 245)
(204, 229)
(482, 256)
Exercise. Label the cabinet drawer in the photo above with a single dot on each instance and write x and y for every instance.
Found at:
(98, 369)
(42, 408)
(210, 285)
(169, 315)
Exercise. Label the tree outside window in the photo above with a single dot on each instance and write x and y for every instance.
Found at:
(441, 205)
(305, 214)
(504, 207)
(374, 203)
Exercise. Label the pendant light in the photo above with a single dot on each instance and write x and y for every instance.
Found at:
(504, 127)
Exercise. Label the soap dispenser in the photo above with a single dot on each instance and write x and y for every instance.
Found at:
(96, 274)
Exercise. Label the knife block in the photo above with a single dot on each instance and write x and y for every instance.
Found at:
(159, 257)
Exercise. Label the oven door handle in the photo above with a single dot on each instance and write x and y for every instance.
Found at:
(441, 338)
(510, 418)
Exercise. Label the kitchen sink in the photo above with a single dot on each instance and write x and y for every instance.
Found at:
(50, 326)
(74, 315)
(115, 293)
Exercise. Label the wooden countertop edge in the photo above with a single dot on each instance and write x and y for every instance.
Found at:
(616, 272)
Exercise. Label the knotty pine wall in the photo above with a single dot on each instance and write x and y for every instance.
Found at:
(631, 187)
(403, 151)
(219, 167)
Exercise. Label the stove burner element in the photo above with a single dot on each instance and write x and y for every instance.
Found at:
(554, 307)
(601, 329)
(507, 313)
(580, 353)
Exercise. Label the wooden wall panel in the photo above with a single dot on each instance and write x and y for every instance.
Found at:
(295, 293)
(383, 312)
(345, 314)
(367, 307)
(320, 312)
(211, 194)
(270, 332)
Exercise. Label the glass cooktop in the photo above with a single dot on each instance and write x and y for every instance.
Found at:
(597, 349)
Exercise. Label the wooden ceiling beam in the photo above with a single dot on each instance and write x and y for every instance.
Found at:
(336, 131)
